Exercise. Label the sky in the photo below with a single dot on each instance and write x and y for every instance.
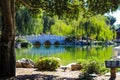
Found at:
(116, 14)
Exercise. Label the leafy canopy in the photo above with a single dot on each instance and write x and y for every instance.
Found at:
(69, 7)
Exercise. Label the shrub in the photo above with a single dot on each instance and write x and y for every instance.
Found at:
(93, 67)
(90, 67)
(49, 64)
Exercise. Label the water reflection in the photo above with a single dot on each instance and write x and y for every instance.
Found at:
(47, 50)
(67, 54)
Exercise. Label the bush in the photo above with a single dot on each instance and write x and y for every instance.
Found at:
(93, 67)
(49, 64)
(90, 66)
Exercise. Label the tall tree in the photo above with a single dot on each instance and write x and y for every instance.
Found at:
(7, 53)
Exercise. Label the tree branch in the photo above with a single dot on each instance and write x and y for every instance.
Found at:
(30, 6)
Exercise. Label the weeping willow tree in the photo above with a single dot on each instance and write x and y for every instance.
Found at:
(61, 28)
(95, 28)
(27, 24)
(101, 30)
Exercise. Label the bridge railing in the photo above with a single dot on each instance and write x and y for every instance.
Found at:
(43, 38)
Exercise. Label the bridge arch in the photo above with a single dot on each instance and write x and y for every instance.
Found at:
(57, 43)
(47, 42)
(37, 43)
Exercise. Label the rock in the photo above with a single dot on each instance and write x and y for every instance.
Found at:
(18, 64)
(25, 63)
(71, 66)
(74, 66)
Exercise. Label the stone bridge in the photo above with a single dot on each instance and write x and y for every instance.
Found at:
(42, 39)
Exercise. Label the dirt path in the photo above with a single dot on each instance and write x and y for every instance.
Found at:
(59, 74)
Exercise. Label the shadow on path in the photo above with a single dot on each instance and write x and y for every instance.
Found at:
(41, 77)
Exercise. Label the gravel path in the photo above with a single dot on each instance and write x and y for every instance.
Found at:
(59, 74)
(33, 74)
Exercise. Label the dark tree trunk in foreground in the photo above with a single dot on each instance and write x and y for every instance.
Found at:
(7, 53)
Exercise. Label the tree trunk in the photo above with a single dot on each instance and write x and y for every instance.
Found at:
(7, 52)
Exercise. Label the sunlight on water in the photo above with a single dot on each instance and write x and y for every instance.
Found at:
(67, 54)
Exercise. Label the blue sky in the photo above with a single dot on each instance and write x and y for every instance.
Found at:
(116, 14)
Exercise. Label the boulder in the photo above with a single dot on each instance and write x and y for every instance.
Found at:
(18, 64)
(74, 66)
(25, 63)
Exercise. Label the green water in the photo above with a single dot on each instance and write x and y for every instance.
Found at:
(67, 54)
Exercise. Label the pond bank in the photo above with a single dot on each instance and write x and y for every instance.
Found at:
(59, 74)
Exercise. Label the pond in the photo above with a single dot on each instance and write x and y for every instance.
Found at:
(67, 54)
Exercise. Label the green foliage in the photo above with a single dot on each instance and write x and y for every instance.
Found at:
(69, 8)
(61, 8)
(47, 23)
(48, 63)
(83, 21)
(95, 28)
(26, 24)
(102, 6)
(61, 28)
(92, 66)
(20, 40)
(100, 27)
